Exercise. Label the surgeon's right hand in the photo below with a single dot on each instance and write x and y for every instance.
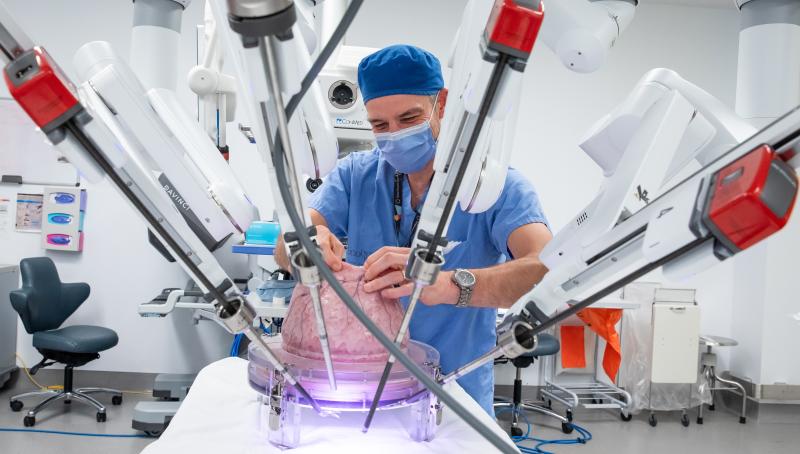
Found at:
(331, 248)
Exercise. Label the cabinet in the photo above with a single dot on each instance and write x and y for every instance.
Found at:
(9, 280)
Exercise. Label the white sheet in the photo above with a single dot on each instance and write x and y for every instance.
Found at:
(220, 415)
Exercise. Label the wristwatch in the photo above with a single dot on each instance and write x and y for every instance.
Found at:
(465, 281)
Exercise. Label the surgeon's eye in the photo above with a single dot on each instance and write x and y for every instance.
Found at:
(410, 119)
(378, 127)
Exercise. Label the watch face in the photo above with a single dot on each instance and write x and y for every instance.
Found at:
(464, 278)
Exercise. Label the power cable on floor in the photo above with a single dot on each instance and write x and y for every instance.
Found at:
(77, 434)
(584, 436)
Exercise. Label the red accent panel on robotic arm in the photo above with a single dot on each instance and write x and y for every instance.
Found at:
(751, 198)
(41, 88)
(513, 27)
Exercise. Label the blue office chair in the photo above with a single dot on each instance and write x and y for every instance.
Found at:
(546, 345)
(43, 303)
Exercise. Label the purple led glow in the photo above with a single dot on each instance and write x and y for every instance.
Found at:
(355, 382)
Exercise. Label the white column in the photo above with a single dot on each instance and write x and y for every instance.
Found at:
(154, 42)
(766, 306)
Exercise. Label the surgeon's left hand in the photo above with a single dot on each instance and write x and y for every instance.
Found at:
(384, 273)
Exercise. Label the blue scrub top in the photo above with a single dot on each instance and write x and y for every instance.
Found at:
(356, 202)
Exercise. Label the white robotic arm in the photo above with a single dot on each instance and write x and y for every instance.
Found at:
(581, 32)
(165, 139)
(660, 128)
(728, 205)
(216, 90)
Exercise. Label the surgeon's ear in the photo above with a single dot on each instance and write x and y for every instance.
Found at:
(442, 101)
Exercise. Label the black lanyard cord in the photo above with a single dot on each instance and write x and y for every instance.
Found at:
(397, 200)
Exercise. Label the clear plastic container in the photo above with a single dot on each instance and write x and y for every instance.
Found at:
(281, 405)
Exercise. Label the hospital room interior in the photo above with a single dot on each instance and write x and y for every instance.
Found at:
(434, 226)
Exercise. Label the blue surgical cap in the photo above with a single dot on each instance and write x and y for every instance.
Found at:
(399, 70)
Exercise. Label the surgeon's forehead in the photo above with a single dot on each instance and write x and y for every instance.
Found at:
(394, 106)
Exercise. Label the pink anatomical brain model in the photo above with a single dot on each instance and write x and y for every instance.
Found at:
(349, 340)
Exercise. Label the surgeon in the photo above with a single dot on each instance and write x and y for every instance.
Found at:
(374, 199)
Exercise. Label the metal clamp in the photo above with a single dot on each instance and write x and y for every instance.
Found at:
(238, 321)
(276, 402)
(421, 271)
(306, 272)
(516, 339)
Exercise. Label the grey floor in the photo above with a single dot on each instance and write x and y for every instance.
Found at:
(721, 432)
(74, 418)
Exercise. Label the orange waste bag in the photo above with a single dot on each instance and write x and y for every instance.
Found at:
(603, 322)
(573, 354)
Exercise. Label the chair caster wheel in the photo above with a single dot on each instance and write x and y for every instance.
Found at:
(711, 407)
(101, 417)
(153, 433)
(16, 405)
(116, 400)
(549, 404)
(67, 401)
(742, 420)
(685, 421)
(625, 417)
(569, 415)
(652, 421)
(699, 420)
(567, 428)
(515, 432)
(29, 421)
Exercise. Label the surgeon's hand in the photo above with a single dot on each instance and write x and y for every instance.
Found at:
(331, 248)
(383, 272)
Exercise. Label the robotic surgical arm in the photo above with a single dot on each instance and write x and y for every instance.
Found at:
(664, 125)
(744, 191)
(216, 90)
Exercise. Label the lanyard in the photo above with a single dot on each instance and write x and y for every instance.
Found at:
(397, 200)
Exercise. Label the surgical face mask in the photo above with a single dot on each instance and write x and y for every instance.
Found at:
(409, 149)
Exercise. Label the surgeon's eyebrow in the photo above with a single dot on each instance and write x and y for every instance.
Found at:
(411, 112)
(376, 122)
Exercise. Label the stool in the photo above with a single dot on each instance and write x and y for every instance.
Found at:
(546, 345)
(708, 371)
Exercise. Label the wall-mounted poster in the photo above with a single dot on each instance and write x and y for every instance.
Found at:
(5, 214)
(29, 212)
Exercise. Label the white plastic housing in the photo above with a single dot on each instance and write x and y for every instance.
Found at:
(581, 32)
(350, 124)
(607, 140)
(153, 56)
(311, 120)
(763, 93)
(252, 88)
(157, 131)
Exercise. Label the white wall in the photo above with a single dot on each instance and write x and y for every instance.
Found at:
(122, 269)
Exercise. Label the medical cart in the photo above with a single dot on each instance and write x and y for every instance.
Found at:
(588, 388)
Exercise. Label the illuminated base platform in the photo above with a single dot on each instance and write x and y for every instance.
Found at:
(280, 415)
